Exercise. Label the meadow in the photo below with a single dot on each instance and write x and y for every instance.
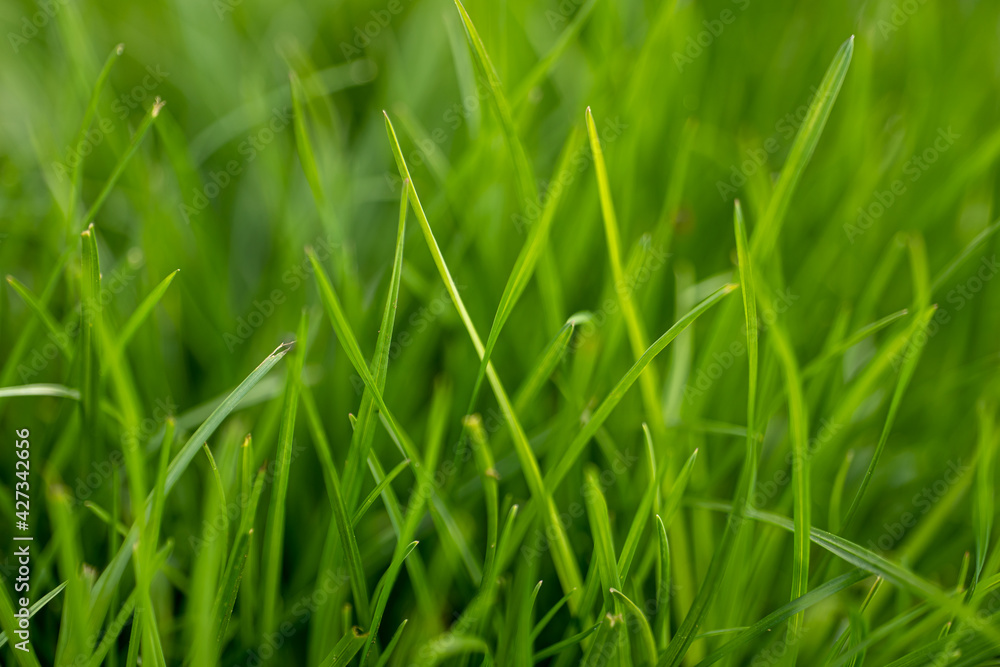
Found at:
(447, 332)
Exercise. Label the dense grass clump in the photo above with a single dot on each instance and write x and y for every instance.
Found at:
(421, 332)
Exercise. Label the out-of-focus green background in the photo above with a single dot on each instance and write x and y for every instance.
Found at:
(697, 103)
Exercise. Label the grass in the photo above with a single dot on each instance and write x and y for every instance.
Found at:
(339, 344)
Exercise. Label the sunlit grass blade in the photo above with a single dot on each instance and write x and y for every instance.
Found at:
(604, 549)
(766, 236)
(56, 390)
(648, 381)
(134, 142)
(799, 436)
(575, 448)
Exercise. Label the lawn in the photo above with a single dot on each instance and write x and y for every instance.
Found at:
(414, 332)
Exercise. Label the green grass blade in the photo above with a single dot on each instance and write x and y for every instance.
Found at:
(382, 592)
(524, 266)
(566, 566)
(662, 620)
(786, 611)
(55, 331)
(522, 168)
(384, 659)
(136, 139)
(108, 581)
(361, 439)
(346, 649)
(801, 151)
(140, 314)
(35, 607)
(275, 534)
(648, 651)
(377, 491)
(575, 448)
(905, 375)
(985, 484)
(604, 549)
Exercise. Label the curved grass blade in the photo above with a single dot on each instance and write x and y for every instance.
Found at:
(662, 620)
(57, 390)
(604, 548)
(816, 365)
(645, 632)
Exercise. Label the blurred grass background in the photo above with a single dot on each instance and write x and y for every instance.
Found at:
(698, 104)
